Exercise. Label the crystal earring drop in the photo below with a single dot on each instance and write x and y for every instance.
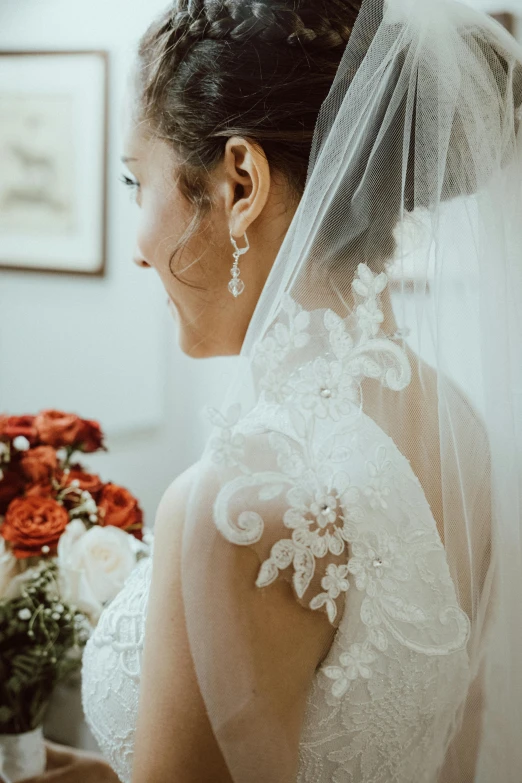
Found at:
(236, 286)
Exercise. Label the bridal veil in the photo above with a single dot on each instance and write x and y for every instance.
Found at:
(369, 448)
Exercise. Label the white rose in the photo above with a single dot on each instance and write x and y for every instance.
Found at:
(93, 565)
(74, 587)
(8, 568)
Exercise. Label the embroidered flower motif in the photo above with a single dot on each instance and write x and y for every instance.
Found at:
(334, 583)
(369, 317)
(354, 664)
(269, 354)
(321, 512)
(369, 356)
(325, 389)
(282, 338)
(324, 509)
(227, 446)
(378, 489)
(276, 387)
(316, 518)
(378, 563)
(368, 285)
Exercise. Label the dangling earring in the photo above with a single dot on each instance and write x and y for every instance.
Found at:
(236, 286)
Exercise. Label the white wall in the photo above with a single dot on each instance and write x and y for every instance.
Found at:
(105, 348)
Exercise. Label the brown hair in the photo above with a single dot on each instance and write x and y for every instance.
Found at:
(210, 69)
(262, 69)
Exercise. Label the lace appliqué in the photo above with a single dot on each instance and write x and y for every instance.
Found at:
(322, 504)
(327, 510)
(112, 670)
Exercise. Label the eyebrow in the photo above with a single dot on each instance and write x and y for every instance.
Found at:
(125, 159)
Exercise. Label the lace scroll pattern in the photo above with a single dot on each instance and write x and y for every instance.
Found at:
(355, 512)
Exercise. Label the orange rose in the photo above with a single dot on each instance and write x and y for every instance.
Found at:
(11, 485)
(31, 523)
(44, 490)
(89, 482)
(39, 464)
(13, 426)
(58, 429)
(91, 437)
(119, 508)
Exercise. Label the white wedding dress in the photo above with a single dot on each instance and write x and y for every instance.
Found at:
(385, 699)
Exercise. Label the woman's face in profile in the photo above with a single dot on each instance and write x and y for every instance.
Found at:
(211, 322)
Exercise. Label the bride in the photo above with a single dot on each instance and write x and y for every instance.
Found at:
(331, 191)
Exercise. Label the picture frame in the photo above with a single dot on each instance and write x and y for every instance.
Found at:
(53, 161)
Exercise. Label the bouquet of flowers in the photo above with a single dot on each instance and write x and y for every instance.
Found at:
(68, 541)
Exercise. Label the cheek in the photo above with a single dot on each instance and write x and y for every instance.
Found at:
(152, 238)
(157, 237)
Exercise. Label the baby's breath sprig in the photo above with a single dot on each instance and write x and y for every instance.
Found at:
(86, 509)
(41, 644)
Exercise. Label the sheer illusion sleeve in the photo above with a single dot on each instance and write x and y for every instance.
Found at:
(289, 511)
(264, 577)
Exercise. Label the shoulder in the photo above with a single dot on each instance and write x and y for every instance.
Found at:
(272, 608)
(176, 492)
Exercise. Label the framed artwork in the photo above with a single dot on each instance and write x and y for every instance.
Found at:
(53, 161)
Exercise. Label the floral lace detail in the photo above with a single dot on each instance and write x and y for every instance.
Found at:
(322, 504)
(112, 670)
(328, 511)
(331, 388)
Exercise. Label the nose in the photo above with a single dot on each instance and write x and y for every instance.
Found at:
(137, 258)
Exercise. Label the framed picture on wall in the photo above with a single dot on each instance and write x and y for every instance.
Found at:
(53, 161)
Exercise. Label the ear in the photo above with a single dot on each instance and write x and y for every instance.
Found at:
(247, 183)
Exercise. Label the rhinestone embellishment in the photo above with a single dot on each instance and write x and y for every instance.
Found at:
(325, 393)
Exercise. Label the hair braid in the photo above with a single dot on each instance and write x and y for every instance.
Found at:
(272, 22)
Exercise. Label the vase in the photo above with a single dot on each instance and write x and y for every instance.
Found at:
(22, 755)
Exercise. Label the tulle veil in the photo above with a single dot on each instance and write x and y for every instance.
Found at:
(393, 310)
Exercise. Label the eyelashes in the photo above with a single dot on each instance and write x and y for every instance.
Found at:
(130, 183)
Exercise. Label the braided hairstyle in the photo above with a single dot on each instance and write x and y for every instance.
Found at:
(210, 69)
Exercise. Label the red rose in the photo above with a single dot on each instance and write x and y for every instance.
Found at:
(31, 523)
(119, 508)
(43, 490)
(58, 429)
(39, 464)
(91, 437)
(89, 482)
(11, 485)
(13, 426)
